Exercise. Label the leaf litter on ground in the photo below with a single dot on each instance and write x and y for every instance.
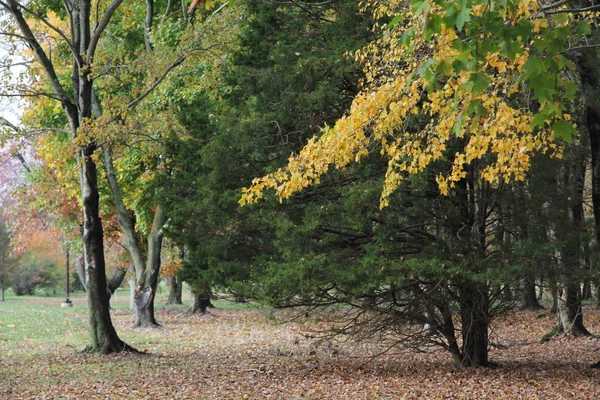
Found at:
(247, 354)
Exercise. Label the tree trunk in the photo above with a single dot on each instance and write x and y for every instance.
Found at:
(570, 316)
(175, 290)
(507, 294)
(132, 294)
(2, 286)
(117, 279)
(144, 308)
(586, 291)
(146, 273)
(79, 265)
(200, 302)
(103, 334)
(530, 301)
(553, 287)
(475, 318)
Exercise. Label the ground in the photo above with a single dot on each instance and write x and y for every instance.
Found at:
(245, 353)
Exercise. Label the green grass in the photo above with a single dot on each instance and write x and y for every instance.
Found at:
(31, 324)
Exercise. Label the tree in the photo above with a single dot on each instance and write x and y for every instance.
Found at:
(5, 256)
(443, 95)
(82, 43)
(286, 76)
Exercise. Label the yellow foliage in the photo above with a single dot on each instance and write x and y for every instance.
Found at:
(394, 92)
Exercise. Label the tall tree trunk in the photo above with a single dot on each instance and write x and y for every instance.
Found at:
(146, 273)
(569, 316)
(475, 318)
(103, 335)
(587, 63)
(1, 286)
(175, 290)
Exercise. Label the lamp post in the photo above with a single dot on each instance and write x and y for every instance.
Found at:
(67, 302)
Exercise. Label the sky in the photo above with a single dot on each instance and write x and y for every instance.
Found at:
(10, 108)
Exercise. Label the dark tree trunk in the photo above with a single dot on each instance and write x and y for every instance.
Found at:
(1, 286)
(587, 63)
(175, 290)
(554, 292)
(586, 291)
(447, 329)
(117, 279)
(103, 334)
(200, 302)
(507, 294)
(475, 318)
(530, 301)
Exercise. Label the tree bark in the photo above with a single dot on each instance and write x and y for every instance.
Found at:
(175, 291)
(80, 266)
(1, 286)
(146, 273)
(475, 318)
(200, 302)
(570, 314)
(530, 300)
(103, 335)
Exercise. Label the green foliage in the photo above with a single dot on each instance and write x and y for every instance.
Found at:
(289, 76)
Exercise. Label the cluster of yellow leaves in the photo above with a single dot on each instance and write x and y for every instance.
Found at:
(500, 134)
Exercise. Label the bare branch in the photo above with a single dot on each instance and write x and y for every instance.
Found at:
(157, 82)
(554, 5)
(14, 8)
(5, 122)
(110, 10)
(52, 27)
(574, 10)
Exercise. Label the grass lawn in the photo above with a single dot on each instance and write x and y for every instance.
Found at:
(244, 353)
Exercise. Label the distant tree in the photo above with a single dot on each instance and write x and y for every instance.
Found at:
(6, 262)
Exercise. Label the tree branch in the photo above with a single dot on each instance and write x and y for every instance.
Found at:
(14, 8)
(52, 27)
(157, 82)
(574, 10)
(110, 10)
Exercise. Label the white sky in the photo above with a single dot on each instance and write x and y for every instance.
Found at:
(10, 108)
